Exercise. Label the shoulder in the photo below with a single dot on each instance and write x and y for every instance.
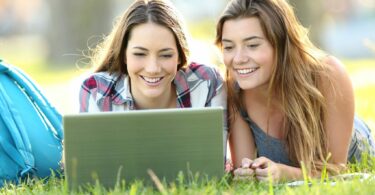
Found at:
(102, 85)
(99, 80)
(338, 86)
(337, 73)
(336, 66)
(340, 109)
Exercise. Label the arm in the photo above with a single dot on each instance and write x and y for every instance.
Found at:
(241, 140)
(340, 111)
(242, 146)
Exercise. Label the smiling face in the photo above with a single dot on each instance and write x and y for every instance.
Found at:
(248, 55)
(151, 58)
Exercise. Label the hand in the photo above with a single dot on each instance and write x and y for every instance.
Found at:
(229, 166)
(265, 168)
(244, 172)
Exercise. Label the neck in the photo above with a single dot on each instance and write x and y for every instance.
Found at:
(259, 97)
(166, 100)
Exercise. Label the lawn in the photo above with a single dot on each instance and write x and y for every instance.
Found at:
(184, 185)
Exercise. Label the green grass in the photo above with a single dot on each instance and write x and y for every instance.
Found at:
(186, 185)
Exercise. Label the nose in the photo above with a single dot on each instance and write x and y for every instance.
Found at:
(153, 66)
(240, 57)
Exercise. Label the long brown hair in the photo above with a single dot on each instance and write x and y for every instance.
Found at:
(296, 80)
(110, 54)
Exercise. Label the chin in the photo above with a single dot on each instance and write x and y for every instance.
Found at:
(152, 94)
(246, 86)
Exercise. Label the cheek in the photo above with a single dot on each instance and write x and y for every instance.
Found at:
(265, 58)
(171, 65)
(132, 65)
(269, 53)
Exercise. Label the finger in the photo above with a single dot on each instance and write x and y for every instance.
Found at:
(262, 172)
(262, 179)
(246, 171)
(261, 162)
(246, 163)
(236, 172)
(228, 167)
(243, 172)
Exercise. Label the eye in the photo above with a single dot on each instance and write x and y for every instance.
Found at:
(252, 46)
(166, 55)
(227, 48)
(139, 54)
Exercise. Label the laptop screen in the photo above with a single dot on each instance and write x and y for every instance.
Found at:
(112, 146)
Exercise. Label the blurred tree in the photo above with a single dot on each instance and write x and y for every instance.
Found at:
(75, 26)
(310, 13)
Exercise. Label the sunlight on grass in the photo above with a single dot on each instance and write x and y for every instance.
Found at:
(362, 73)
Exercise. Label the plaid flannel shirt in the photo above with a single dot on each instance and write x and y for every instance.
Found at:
(196, 86)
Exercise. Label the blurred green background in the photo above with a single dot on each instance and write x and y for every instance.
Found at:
(51, 39)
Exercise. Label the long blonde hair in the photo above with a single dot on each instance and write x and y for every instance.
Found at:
(110, 54)
(296, 80)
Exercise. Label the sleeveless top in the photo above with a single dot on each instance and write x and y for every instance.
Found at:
(275, 149)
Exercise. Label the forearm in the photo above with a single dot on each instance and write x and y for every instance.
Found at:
(289, 173)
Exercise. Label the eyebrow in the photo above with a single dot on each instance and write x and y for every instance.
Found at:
(245, 39)
(144, 49)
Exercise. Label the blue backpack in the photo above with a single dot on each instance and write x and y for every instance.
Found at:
(30, 129)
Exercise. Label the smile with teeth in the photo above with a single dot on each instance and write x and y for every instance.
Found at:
(152, 79)
(246, 70)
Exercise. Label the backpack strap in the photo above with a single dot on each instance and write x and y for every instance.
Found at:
(23, 155)
(33, 91)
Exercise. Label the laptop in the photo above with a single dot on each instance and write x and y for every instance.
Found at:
(110, 147)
